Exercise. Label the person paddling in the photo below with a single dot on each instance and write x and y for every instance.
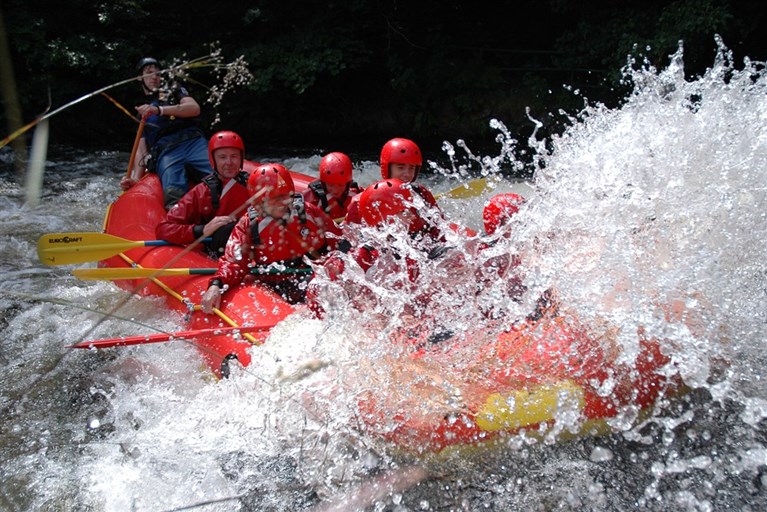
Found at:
(497, 268)
(335, 188)
(172, 143)
(279, 231)
(501, 272)
(391, 207)
(401, 159)
(211, 208)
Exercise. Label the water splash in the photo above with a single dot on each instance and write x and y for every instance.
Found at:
(647, 221)
(645, 217)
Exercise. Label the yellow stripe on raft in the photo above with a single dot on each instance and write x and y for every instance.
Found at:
(521, 408)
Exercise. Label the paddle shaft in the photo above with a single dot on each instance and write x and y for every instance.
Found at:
(162, 337)
(133, 152)
(138, 273)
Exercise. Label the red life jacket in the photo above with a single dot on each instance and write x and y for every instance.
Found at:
(335, 207)
(227, 198)
(185, 221)
(288, 241)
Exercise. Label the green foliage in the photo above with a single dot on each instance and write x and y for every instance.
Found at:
(336, 71)
(607, 33)
(298, 64)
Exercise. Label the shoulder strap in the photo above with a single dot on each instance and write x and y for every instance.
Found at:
(254, 231)
(214, 184)
(242, 178)
(257, 224)
(319, 191)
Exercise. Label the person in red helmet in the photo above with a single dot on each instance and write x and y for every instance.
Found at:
(390, 206)
(498, 268)
(212, 207)
(499, 210)
(335, 188)
(278, 232)
(400, 159)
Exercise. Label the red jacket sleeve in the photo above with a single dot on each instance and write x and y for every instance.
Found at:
(179, 224)
(426, 195)
(233, 265)
(353, 215)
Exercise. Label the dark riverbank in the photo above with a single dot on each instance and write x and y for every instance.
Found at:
(349, 76)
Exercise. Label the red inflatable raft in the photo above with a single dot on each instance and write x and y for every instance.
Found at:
(550, 377)
(547, 378)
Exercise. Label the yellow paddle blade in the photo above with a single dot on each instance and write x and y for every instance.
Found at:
(111, 274)
(70, 248)
(467, 190)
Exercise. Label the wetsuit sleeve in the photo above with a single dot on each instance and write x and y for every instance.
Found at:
(353, 215)
(233, 265)
(184, 222)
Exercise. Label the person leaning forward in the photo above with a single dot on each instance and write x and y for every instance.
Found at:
(278, 232)
(385, 205)
(401, 159)
(172, 143)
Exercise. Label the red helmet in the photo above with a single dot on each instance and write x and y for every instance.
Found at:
(400, 151)
(499, 209)
(225, 139)
(273, 179)
(383, 199)
(336, 169)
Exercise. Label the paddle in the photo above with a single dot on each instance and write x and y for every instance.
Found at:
(158, 338)
(133, 152)
(111, 274)
(467, 190)
(70, 248)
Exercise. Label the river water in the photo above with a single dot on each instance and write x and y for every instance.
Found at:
(648, 217)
